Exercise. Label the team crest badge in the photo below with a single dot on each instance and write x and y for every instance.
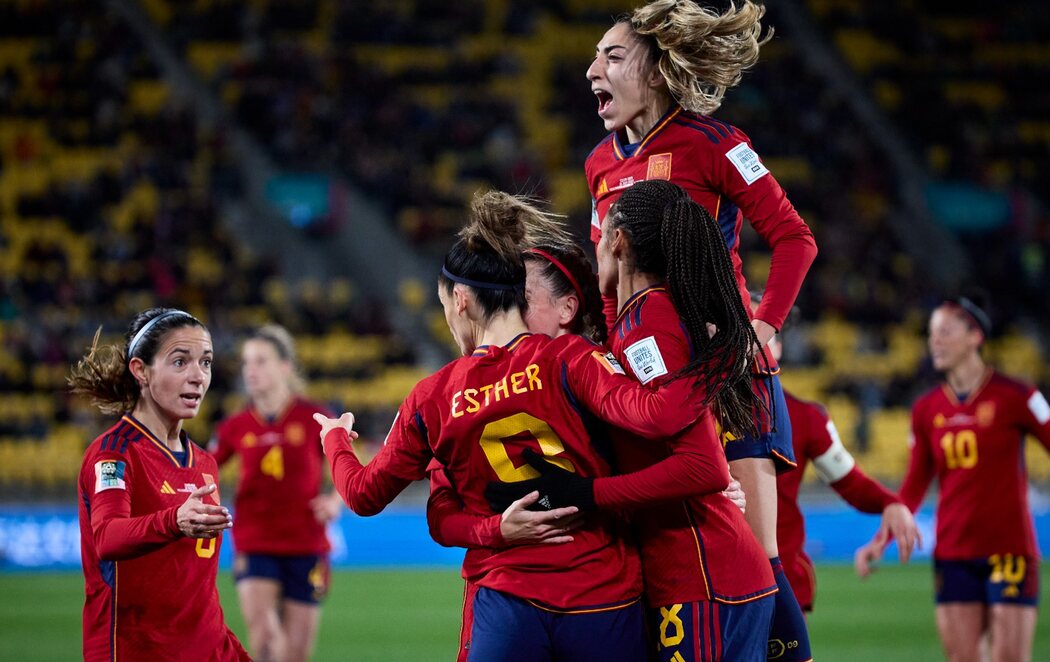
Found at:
(985, 414)
(295, 434)
(659, 167)
(249, 440)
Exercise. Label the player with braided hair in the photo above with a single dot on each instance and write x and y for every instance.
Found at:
(658, 74)
(513, 393)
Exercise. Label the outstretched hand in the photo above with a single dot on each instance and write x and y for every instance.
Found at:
(197, 519)
(557, 487)
(898, 522)
(346, 422)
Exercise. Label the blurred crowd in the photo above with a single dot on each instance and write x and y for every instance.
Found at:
(113, 193)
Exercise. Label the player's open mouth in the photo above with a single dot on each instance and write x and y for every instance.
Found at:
(604, 100)
(190, 399)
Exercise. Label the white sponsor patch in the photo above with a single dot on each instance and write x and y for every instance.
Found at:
(645, 360)
(747, 162)
(109, 475)
(836, 462)
(1039, 408)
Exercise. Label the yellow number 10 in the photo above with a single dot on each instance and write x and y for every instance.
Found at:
(960, 449)
(493, 442)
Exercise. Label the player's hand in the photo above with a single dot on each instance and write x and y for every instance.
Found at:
(346, 421)
(898, 522)
(521, 526)
(558, 487)
(326, 507)
(197, 519)
(764, 330)
(735, 493)
(866, 558)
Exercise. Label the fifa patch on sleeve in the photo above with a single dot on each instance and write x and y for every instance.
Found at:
(746, 162)
(645, 360)
(609, 362)
(109, 475)
(1040, 409)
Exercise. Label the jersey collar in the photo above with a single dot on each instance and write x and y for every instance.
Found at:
(636, 300)
(190, 455)
(483, 350)
(653, 132)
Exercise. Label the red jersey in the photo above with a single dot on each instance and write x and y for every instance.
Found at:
(477, 415)
(975, 449)
(281, 471)
(715, 163)
(700, 548)
(815, 438)
(150, 591)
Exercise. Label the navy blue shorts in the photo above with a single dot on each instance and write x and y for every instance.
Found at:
(509, 629)
(997, 579)
(774, 438)
(302, 578)
(712, 631)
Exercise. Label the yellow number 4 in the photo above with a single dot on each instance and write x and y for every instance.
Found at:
(273, 463)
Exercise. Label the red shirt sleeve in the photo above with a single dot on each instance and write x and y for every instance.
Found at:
(602, 387)
(921, 468)
(118, 536)
(221, 447)
(611, 308)
(696, 466)
(404, 457)
(766, 206)
(864, 493)
(451, 525)
(1035, 417)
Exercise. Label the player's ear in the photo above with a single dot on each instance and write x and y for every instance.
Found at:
(461, 297)
(139, 370)
(567, 310)
(618, 245)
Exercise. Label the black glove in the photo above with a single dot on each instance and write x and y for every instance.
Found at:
(558, 488)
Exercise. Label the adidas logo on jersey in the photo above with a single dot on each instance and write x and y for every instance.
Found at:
(166, 488)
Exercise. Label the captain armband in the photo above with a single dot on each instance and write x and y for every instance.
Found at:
(836, 462)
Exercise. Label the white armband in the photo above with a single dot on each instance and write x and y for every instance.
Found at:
(836, 462)
(1040, 409)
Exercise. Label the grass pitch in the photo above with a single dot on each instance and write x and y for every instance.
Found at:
(414, 615)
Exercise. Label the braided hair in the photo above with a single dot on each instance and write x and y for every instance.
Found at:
(673, 237)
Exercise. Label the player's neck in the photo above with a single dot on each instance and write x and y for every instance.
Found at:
(630, 284)
(501, 328)
(272, 403)
(968, 375)
(167, 431)
(644, 122)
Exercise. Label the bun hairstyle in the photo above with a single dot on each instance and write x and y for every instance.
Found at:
(487, 253)
(672, 237)
(103, 373)
(284, 344)
(700, 52)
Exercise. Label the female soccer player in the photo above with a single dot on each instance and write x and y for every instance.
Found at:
(969, 434)
(510, 393)
(281, 565)
(658, 74)
(150, 518)
(815, 439)
(563, 298)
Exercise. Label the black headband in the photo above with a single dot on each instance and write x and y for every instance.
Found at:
(506, 287)
(974, 311)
